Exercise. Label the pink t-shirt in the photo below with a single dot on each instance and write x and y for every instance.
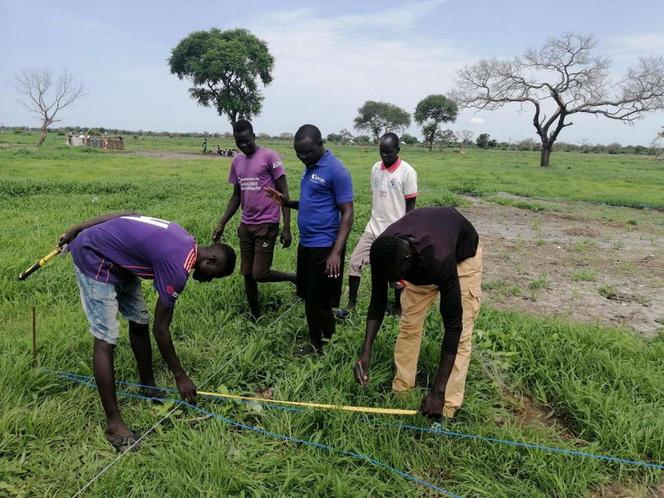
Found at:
(252, 173)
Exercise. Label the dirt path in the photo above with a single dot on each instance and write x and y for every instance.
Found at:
(572, 265)
(187, 156)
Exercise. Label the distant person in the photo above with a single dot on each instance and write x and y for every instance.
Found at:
(325, 218)
(204, 146)
(251, 171)
(393, 194)
(430, 251)
(111, 255)
(219, 150)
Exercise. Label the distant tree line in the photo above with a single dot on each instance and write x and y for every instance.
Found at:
(444, 139)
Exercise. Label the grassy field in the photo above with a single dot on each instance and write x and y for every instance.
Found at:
(598, 390)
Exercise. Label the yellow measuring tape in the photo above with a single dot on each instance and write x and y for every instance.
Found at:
(40, 263)
(320, 406)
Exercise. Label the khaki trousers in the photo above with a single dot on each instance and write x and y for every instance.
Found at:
(415, 302)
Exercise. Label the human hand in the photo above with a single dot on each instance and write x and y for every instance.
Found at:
(432, 405)
(286, 238)
(333, 265)
(361, 371)
(275, 195)
(186, 387)
(68, 236)
(218, 233)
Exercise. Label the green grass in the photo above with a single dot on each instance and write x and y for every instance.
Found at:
(604, 385)
(615, 180)
(585, 275)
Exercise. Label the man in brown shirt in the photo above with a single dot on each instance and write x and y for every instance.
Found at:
(428, 251)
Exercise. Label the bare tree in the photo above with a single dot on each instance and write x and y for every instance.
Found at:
(563, 78)
(465, 137)
(46, 95)
(658, 145)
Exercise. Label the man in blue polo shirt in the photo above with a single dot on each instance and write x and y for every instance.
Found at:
(325, 218)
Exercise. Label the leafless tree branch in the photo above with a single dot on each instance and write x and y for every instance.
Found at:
(41, 95)
(563, 75)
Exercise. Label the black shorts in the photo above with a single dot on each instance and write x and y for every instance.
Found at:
(257, 248)
(312, 284)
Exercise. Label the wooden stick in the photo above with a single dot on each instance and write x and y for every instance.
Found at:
(34, 338)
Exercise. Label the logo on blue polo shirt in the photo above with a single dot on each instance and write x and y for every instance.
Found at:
(317, 179)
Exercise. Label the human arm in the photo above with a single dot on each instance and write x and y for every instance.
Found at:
(375, 316)
(451, 311)
(410, 204)
(74, 230)
(282, 186)
(333, 263)
(163, 316)
(231, 209)
(342, 188)
(279, 198)
(410, 189)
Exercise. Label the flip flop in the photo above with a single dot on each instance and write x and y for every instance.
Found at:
(123, 443)
(155, 394)
(308, 349)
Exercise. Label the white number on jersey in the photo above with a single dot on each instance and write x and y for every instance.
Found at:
(150, 221)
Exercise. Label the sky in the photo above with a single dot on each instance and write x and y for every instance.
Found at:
(330, 58)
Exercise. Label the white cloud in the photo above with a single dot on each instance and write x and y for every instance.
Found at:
(476, 121)
(625, 50)
(647, 43)
(326, 67)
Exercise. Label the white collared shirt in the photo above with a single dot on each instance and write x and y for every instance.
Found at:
(390, 187)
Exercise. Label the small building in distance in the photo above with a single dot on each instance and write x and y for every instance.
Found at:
(85, 140)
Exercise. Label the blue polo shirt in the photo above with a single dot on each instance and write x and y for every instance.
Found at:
(323, 187)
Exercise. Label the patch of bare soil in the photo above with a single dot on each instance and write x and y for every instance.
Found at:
(187, 156)
(573, 265)
(624, 491)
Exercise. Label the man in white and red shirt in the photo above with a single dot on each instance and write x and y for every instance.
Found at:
(393, 194)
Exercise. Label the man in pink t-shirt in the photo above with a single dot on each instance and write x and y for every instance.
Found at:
(251, 171)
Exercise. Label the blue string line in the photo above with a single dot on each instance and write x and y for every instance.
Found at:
(86, 378)
(460, 435)
(274, 435)
(531, 446)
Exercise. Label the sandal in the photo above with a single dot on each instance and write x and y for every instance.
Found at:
(154, 393)
(124, 443)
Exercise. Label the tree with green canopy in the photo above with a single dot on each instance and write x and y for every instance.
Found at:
(225, 68)
(433, 110)
(380, 118)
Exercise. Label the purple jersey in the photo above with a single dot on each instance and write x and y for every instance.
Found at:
(251, 174)
(148, 248)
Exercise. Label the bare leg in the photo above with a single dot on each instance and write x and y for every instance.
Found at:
(102, 361)
(251, 288)
(277, 276)
(353, 287)
(326, 321)
(313, 321)
(139, 337)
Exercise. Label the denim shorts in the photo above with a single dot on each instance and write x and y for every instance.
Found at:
(102, 301)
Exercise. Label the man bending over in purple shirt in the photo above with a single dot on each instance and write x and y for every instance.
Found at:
(111, 254)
